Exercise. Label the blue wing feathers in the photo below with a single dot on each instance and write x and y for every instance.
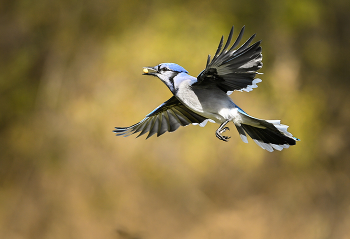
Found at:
(169, 116)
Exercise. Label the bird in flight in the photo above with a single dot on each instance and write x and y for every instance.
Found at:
(197, 100)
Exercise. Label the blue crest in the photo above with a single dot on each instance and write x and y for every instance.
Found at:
(174, 67)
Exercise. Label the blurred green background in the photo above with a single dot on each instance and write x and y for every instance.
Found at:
(72, 70)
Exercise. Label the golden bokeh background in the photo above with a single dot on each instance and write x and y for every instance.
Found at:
(72, 70)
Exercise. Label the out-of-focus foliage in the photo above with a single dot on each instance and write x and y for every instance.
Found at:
(71, 70)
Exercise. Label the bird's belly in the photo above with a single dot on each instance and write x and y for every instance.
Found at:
(215, 105)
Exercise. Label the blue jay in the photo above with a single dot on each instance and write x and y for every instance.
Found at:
(197, 100)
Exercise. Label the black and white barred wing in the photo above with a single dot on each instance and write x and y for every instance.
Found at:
(233, 69)
(169, 116)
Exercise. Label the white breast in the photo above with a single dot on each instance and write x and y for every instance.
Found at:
(211, 103)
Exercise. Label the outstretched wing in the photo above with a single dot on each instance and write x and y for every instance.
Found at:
(169, 116)
(233, 69)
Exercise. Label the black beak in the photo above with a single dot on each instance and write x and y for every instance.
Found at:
(149, 71)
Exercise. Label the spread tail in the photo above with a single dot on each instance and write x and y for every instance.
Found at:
(268, 134)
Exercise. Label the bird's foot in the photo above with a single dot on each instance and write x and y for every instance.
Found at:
(222, 137)
(224, 129)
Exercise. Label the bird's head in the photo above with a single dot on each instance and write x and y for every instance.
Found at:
(165, 72)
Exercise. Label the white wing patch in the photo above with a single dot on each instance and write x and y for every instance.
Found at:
(252, 86)
(204, 122)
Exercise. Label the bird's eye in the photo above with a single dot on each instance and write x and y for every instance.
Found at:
(165, 69)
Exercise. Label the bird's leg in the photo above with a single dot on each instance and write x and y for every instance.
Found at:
(221, 130)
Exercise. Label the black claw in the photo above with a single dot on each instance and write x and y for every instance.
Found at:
(222, 137)
(221, 130)
(224, 129)
(225, 138)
